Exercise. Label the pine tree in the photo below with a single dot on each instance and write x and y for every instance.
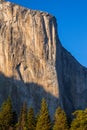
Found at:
(37, 117)
(6, 115)
(60, 120)
(31, 120)
(80, 120)
(43, 122)
(22, 122)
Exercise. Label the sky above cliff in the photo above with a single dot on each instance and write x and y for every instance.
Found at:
(71, 17)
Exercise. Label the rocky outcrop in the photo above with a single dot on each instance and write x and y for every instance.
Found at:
(33, 63)
(74, 83)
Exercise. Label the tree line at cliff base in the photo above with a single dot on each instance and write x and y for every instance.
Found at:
(28, 121)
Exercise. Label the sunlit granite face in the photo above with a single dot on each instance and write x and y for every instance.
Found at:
(28, 54)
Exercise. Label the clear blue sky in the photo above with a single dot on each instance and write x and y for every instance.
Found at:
(71, 16)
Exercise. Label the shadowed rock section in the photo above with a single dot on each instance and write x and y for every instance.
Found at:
(32, 56)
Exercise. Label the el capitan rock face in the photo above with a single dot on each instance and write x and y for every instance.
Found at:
(33, 63)
(28, 56)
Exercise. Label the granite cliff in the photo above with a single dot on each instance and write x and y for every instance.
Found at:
(33, 63)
